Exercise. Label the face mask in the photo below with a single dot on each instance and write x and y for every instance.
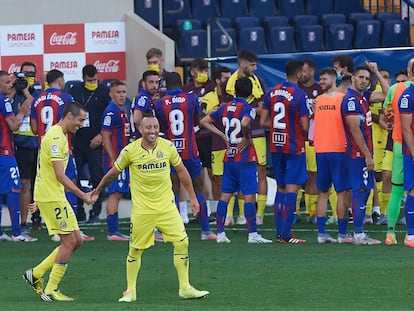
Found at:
(154, 67)
(201, 78)
(30, 81)
(46, 85)
(368, 88)
(91, 86)
(339, 76)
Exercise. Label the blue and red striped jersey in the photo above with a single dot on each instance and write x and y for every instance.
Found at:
(6, 135)
(115, 120)
(355, 103)
(176, 112)
(286, 104)
(47, 109)
(231, 115)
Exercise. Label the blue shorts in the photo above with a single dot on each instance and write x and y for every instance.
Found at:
(408, 172)
(193, 167)
(121, 184)
(71, 171)
(290, 169)
(240, 176)
(359, 177)
(331, 170)
(9, 174)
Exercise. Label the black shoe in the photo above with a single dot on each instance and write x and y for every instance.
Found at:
(93, 220)
(37, 225)
(375, 217)
(81, 217)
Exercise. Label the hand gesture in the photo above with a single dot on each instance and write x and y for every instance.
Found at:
(94, 195)
(32, 207)
(24, 108)
(245, 142)
(369, 163)
(373, 66)
(195, 207)
(96, 141)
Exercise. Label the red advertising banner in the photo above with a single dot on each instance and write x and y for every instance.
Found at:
(109, 65)
(12, 64)
(64, 38)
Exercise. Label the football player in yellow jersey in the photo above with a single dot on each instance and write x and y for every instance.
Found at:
(149, 160)
(49, 197)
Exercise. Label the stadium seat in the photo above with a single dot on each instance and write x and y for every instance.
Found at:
(319, 8)
(270, 21)
(252, 38)
(148, 10)
(291, 8)
(347, 6)
(309, 38)
(192, 43)
(204, 10)
(367, 34)
(195, 24)
(302, 20)
(174, 10)
(224, 22)
(356, 17)
(261, 8)
(233, 8)
(384, 16)
(395, 33)
(221, 45)
(246, 21)
(335, 18)
(339, 36)
(280, 39)
(70, 84)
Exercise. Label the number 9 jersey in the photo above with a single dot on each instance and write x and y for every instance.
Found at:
(286, 104)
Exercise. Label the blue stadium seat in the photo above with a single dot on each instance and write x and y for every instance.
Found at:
(224, 21)
(291, 8)
(262, 8)
(192, 43)
(204, 10)
(367, 34)
(302, 20)
(395, 33)
(335, 18)
(174, 10)
(309, 38)
(148, 10)
(246, 21)
(233, 8)
(347, 6)
(319, 7)
(280, 39)
(339, 36)
(356, 17)
(384, 16)
(253, 39)
(221, 45)
(270, 21)
(195, 24)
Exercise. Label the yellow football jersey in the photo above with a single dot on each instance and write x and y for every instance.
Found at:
(54, 147)
(379, 134)
(151, 187)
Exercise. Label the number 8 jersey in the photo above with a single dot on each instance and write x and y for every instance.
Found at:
(286, 104)
(176, 112)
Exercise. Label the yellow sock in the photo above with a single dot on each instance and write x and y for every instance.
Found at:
(240, 202)
(133, 264)
(384, 203)
(333, 199)
(368, 211)
(261, 204)
(46, 264)
(298, 199)
(307, 204)
(313, 199)
(230, 207)
(181, 263)
(378, 184)
(56, 275)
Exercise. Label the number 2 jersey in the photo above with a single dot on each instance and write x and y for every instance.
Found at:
(176, 112)
(230, 116)
(47, 109)
(286, 104)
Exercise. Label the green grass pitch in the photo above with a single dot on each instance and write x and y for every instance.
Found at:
(239, 276)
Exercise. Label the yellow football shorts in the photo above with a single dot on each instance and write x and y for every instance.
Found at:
(217, 165)
(387, 161)
(259, 144)
(310, 157)
(59, 217)
(379, 154)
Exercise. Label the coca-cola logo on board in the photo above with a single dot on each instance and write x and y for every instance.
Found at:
(111, 65)
(69, 38)
(13, 68)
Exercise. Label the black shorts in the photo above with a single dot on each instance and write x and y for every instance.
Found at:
(204, 149)
(26, 161)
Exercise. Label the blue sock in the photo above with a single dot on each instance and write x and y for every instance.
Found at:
(343, 225)
(13, 204)
(1, 212)
(321, 221)
(202, 215)
(73, 201)
(112, 221)
(359, 204)
(279, 202)
(409, 214)
(289, 213)
(250, 214)
(221, 215)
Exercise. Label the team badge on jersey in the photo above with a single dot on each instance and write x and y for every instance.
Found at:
(54, 150)
(107, 121)
(63, 225)
(404, 102)
(159, 155)
(141, 102)
(253, 113)
(8, 106)
(351, 105)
